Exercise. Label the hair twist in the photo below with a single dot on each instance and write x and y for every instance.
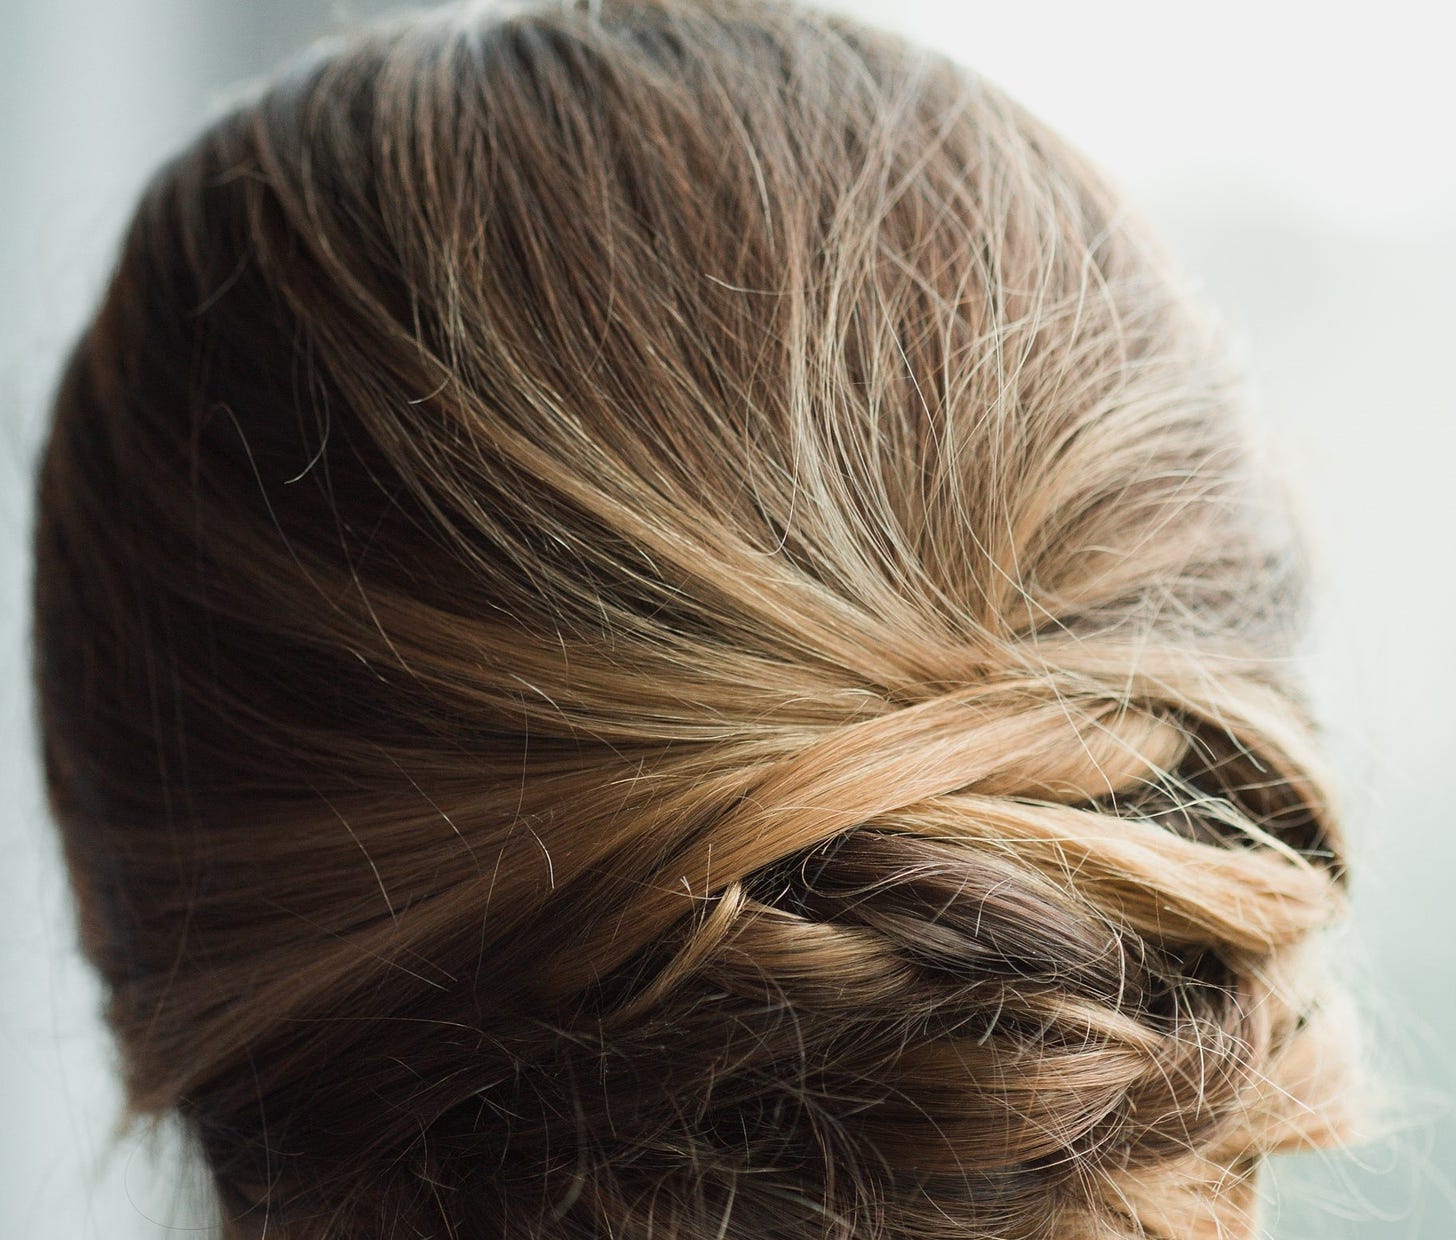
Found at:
(654, 619)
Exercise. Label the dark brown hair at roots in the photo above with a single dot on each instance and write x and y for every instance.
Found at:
(656, 619)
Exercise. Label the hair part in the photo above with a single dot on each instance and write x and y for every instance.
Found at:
(656, 619)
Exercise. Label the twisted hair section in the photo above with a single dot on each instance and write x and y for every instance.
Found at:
(654, 619)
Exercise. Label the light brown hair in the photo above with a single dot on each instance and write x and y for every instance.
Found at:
(655, 619)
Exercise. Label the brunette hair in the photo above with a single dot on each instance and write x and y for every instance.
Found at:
(656, 619)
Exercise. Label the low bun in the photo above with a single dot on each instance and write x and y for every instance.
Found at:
(654, 619)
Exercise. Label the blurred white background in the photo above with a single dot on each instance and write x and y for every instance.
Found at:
(1299, 158)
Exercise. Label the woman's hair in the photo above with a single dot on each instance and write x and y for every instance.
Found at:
(656, 619)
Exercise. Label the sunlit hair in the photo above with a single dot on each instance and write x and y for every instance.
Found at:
(655, 620)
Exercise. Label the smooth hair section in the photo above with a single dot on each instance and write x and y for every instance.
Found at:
(656, 621)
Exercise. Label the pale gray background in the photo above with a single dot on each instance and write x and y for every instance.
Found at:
(1299, 157)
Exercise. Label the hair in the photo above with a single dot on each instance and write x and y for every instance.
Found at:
(659, 619)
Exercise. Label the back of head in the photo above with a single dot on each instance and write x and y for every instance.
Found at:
(653, 619)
